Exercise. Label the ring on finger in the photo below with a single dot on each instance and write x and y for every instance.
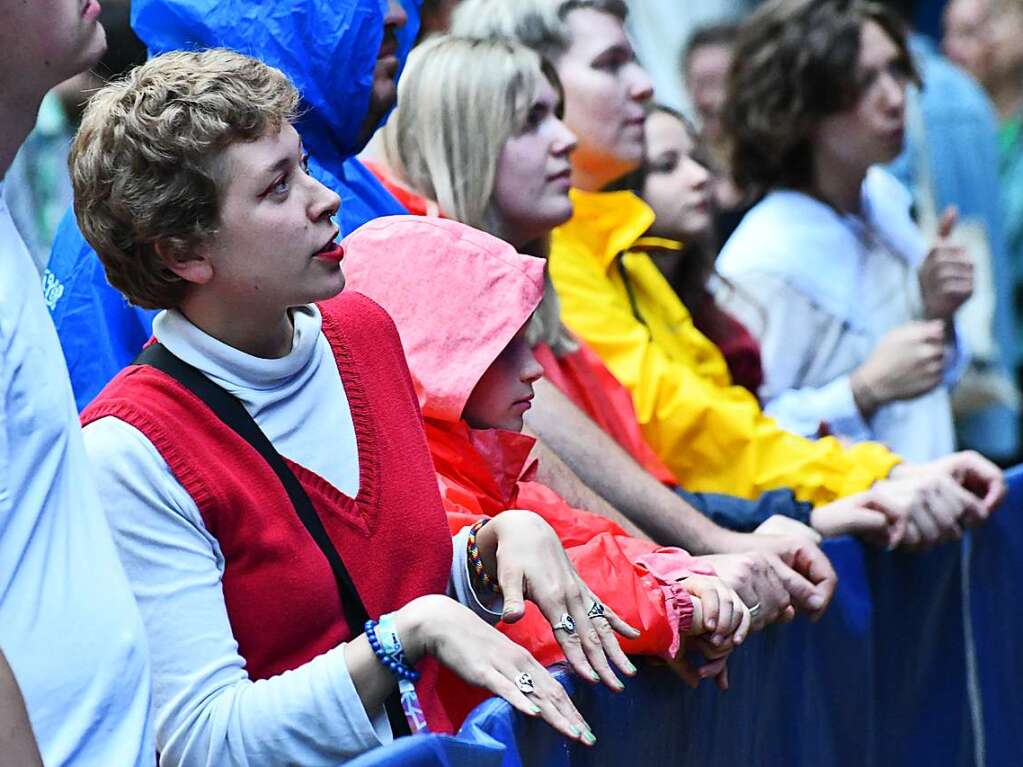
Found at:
(754, 610)
(525, 683)
(566, 624)
(596, 610)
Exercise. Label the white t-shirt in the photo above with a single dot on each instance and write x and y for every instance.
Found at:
(208, 711)
(69, 625)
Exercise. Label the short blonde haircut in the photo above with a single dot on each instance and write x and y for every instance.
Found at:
(146, 161)
(460, 101)
(537, 24)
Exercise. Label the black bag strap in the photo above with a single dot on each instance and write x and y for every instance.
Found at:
(230, 410)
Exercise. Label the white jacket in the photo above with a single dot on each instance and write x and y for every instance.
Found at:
(819, 290)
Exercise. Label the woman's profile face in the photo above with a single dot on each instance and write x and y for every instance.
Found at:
(677, 187)
(872, 130)
(534, 173)
(605, 89)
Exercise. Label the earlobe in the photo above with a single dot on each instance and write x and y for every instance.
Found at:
(191, 264)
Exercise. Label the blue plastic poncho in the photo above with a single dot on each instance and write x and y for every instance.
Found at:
(329, 49)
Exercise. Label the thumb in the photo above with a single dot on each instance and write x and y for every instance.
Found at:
(948, 221)
(510, 580)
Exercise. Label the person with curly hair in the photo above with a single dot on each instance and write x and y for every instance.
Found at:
(855, 314)
(264, 466)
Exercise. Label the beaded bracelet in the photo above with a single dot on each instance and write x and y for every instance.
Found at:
(393, 660)
(386, 645)
(474, 558)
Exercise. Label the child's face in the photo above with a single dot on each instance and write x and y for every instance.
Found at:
(505, 392)
(274, 246)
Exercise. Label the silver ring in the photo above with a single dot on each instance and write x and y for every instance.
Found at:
(596, 610)
(566, 624)
(754, 610)
(525, 683)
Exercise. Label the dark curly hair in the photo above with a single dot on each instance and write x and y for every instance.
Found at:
(795, 64)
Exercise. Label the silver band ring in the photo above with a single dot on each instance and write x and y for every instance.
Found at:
(596, 610)
(566, 624)
(754, 610)
(525, 683)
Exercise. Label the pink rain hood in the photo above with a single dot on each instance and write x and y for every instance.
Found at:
(457, 295)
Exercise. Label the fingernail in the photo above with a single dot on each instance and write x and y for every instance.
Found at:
(534, 710)
(594, 676)
(816, 602)
(631, 668)
(710, 623)
(574, 730)
(589, 738)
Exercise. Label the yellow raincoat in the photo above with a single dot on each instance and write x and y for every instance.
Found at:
(711, 434)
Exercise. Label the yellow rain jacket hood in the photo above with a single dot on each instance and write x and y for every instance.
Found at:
(711, 434)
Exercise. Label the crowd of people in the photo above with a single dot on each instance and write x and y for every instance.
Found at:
(393, 352)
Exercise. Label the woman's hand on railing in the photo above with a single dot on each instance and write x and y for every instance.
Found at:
(530, 563)
(481, 655)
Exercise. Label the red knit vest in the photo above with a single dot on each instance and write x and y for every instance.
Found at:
(281, 596)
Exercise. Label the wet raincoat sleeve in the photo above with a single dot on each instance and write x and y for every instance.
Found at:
(637, 579)
(711, 434)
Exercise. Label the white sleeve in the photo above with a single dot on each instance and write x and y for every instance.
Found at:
(460, 585)
(789, 328)
(207, 710)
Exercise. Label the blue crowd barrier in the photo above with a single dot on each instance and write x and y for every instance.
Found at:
(894, 674)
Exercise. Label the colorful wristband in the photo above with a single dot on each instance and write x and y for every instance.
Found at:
(475, 563)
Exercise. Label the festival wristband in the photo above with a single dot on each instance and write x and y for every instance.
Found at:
(386, 645)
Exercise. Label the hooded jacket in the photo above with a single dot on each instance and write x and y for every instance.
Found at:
(711, 434)
(458, 297)
(328, 48)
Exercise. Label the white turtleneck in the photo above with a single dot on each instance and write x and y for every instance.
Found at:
(207, 709)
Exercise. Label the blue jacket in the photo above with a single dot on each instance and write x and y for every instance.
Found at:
(328, 48)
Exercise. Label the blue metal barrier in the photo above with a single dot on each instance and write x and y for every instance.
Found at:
(892, 675)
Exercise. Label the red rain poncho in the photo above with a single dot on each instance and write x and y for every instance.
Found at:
(458, 297)
(580, 375)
